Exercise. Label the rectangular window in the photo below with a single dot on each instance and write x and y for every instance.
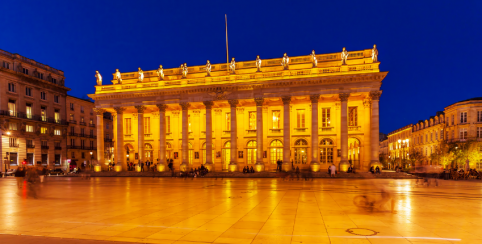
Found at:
(91, 133)
(81, 119)
(252, 120)
(57, 116)
(29, 143)
(463, 133)
(300, 118)
(352, 116)
(453, 120)
(71, 117)
(82, 144)
(325, 117)
(43, 113)
(107, 126)
(12, 142)
(479, 116)
(168, 124)
(463, 117)
(128, 126)
(56, 99)
(12, 108)
(91, 144)
(441, 134)
(147, 125)
(91, 122)
(479, 132)
(29, 128)
(12, 126)
(72, 106)
(276, 119)
(45, 159)
(13, 158)
(43, 130)
(57, 159)
(25, 71)
(6, 65)
(28, 91)
(72, 142)
(57, 132)
(28, 111)
(82, 109)
(11, 87)
(43, 96)
(228, 121)
(107, 136)
(82, 131)
(82, 154)
(30, 158)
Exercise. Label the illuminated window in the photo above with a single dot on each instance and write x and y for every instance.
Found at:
(28, 110)
(147, 125)
(479, 132)
(276, 119)
(128, 127)
(325, 117)
(57, 116)
(228, 121)
(276, 151)
(12, 108)
(29, 128)
(300, 118)
(463, 133)
(57, 132)
(251, 149)
(252, 120)
(12, 126)
(352, 116)
(326, 151)
(463, 117)
(43, 130)
(479, 116)
(43, 113)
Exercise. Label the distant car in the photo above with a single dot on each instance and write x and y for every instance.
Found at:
(56, 172)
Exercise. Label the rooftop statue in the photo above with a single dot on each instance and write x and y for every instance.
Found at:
(118, 76)
(208, 68)
(160, 72)
(140, 75)
(285, 61)
(232, 66)
(258, 63)
(375, 54)
(344, 56)
(314, 60)
(184, 70)
(98, 78)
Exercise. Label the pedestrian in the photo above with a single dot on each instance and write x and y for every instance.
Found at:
(292, 165)
(142, 165)
(19, 176)
(298, 172)
(252, 170)
(332, 170)
(377, 170)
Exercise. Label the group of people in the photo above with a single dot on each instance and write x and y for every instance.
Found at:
(375, 170)
(31, 176)
(147, 166)
(279, 165)
(248, 170)
(195, 172)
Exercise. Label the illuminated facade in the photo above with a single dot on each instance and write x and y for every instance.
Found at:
(311, 113)
(399, 143)
(428, 135)
(33, 123)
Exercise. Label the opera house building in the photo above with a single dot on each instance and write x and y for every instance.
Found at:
(307, 111)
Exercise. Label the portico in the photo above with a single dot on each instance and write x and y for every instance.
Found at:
(305, 115)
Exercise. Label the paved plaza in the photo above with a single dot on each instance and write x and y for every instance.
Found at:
(173, 210)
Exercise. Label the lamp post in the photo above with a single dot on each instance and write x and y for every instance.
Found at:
(90, 159)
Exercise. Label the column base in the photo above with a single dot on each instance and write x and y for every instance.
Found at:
(97, 168)
(259, 167)
(161, 167)
(315, 166)
(343, 166)
(209, 166)
(117, 168)
(286, 167)
(375, 164)
(233, 167)
(183, 167)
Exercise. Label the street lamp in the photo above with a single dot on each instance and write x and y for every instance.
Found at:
(91, 159)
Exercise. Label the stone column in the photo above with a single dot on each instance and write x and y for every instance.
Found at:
(375, 130)
(209, 136)
(100, 135)
(233, 164)
(120, 157)
(367, 151)
(315, 161)
(259, 134)
(185, 137)
(161, 166)
(286, 133)
(140, 132)
(343, 166)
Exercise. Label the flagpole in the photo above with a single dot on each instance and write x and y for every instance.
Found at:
(227, 49)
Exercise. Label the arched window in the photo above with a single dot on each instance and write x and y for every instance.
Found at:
(301, 151)
(226, 154)
(168, 150)
(148, 152)
(326, 151)
(204, 153)
(251, 152)
(354, 151)
(275, 151)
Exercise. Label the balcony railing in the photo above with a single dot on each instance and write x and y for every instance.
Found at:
(81, 123)
(91, 136)
(149, 135)
(92, 125)
(73, 147)
(30, 116)
(73, 121)
(354, 128)
(30, 146)
(107, 140)
(13, 145)
(275, 130)
(73, 134)
(45, 147)
(58, 148)
(327, 129)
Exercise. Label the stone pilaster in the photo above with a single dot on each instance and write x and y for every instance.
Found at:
(162, 136)
(209, 136)
(343, 166)
(140, 132)
(185, 136)
(259, 134)
(367, 151)
(100, 135)
(121, 156)
(315, 164)
(233, 164)
(286, 133)
(375, 130)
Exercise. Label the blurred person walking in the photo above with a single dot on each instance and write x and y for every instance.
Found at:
(332, 170)
(19, 176)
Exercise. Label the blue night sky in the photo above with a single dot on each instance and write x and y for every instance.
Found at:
(430, 48)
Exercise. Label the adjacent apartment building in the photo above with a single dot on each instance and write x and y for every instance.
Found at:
(33, 123)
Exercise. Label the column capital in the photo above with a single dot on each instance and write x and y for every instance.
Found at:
(375, 95)
(233, 102)
(161, 107)
(286, 99)
(185, 106)
(344, 96)
(99, 111)
(119, 110)
(367, 102)
(259, 101)
(315, 98)
(208, 104)
(140, 109)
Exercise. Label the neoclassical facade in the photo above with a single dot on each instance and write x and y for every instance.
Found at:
(308, 111)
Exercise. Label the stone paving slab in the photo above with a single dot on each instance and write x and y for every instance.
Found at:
(23, 239)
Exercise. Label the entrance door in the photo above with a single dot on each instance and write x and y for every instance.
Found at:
(226, 157)
(301, 152)
(251, 150)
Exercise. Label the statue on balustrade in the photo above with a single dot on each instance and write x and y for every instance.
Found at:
(208, 68)
(118, 76)
(98, 77)
(232, 66)
(285, 62)
(344, 56)
(160, 72)
(184, 70)
(258, 63)
(314, 60)
(140, 75)
(375, 54)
